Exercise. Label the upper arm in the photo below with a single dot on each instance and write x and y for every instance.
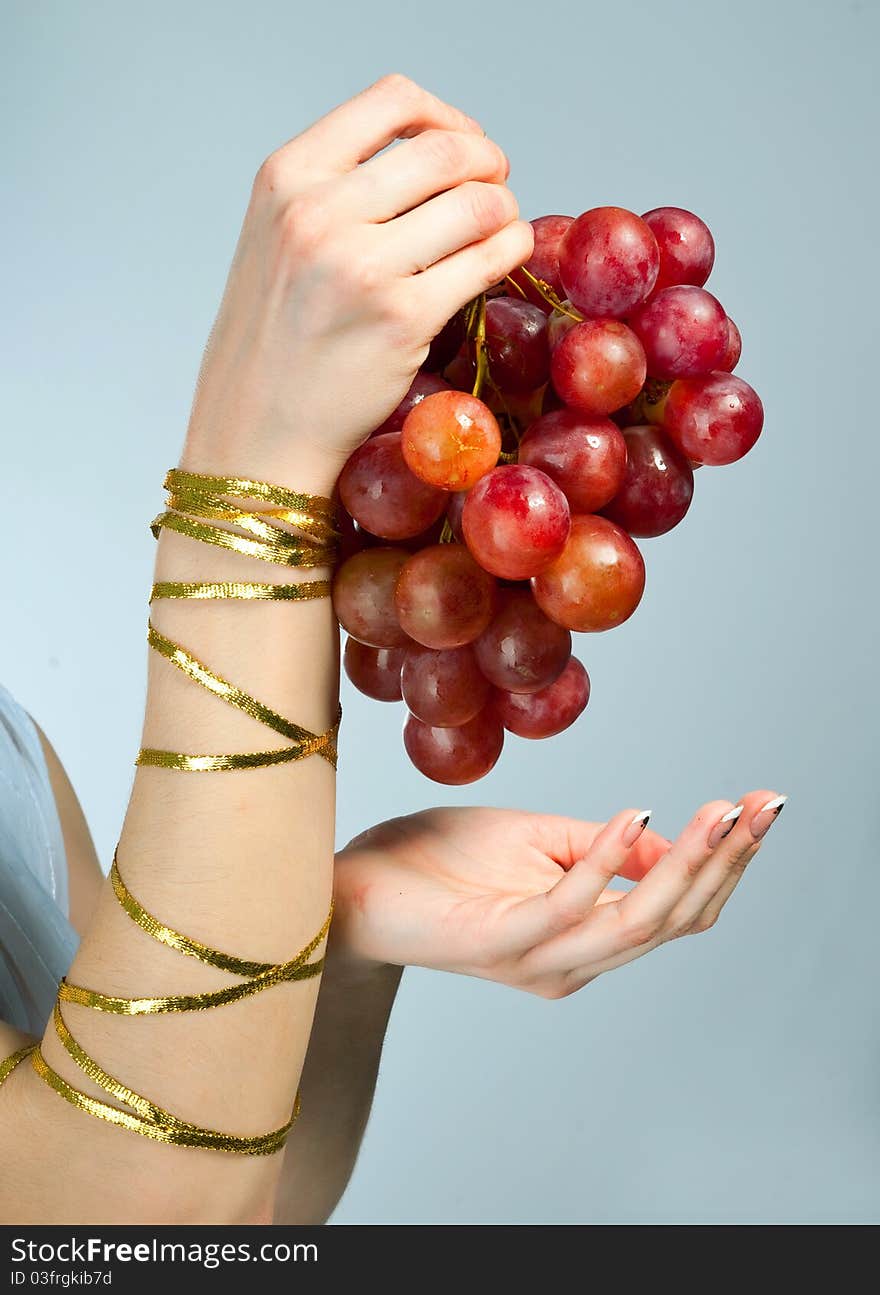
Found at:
(84, 871)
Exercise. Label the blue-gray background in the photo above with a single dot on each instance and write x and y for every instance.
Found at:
(728, 1078)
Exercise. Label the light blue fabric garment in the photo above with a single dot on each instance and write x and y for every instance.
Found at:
(37, 942)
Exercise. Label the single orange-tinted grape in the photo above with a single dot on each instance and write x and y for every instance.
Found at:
(455, 756)
(450, 439)
(374, 671)
(596, 582)
(443, 598)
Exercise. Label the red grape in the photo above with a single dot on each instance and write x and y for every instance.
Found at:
(460, 371)
(596, 582)
(363, 596)
(450, 440)
(522, 650)
(544, 261)
(516, 338)
(455, 756)
(413, 543)
(522, 407)
(445, 688)
(550, 711)
(657, 488)
(608, 262)
(683, 330)
(382, 494)
(598, 366)
(443, 599)
(585, 456)
(558, 324)
(374, 671)
(446, 343)
(687, 249)
(715, 419)
(734, 348)
(423, 384)
(515, 521)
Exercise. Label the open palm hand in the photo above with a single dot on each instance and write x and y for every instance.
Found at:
(525, 899)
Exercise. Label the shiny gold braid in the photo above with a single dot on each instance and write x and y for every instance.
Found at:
(144, 1116)
(195, 503)
(258, 975)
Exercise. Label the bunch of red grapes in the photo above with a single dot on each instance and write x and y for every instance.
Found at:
(494, 511)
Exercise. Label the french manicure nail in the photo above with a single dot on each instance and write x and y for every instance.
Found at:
(724, 826)
(636, 827)
(767, 816)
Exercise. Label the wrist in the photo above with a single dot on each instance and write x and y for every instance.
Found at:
(348, 971)
(299, 461)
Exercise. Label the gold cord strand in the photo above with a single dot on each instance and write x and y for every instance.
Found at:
(143, 1116)
(241, 590)
(8, 1065)
(195, 502)
(259, 975)
(305, 742)
(194, 948)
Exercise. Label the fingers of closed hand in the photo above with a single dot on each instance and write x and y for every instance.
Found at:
(419, 168)
(572, 899)
(467, 214)
(393, 108)
(449, 284)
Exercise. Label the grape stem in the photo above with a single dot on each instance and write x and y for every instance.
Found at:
(447, 535)
(481, 355)
(544, 290)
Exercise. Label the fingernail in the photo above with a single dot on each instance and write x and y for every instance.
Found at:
(767, 816)
(636, 827)
(724, 826)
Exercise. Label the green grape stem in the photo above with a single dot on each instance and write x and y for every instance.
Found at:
(481, 354)
(544, 290)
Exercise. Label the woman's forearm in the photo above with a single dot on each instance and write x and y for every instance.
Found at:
(240, 861)
(338, 1080)
(350, 260)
